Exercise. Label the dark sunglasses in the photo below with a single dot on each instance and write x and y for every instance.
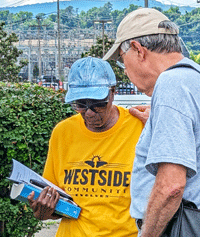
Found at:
(84, 106)
(97, 107)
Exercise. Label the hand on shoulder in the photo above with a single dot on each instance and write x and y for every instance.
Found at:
(141, 112)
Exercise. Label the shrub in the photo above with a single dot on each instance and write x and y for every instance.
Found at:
(28, 114)
(195, 57)
(9, 68)
(18, 219)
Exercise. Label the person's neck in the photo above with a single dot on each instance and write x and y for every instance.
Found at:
(158, 63)
(113, 118)
(166, 60)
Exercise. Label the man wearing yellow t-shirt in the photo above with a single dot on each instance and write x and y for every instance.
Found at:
(91, 157)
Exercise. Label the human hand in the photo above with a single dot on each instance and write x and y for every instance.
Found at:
(43, 207)
(141, 112)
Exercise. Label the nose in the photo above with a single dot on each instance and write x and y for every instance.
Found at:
(89, 112)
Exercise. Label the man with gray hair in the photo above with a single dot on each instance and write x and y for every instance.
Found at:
(167, 164)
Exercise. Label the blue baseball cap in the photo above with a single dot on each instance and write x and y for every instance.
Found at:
(89, 78)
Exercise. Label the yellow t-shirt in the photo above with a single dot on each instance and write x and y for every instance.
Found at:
(95, 169)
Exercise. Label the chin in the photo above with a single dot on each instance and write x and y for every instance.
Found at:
(144, 91)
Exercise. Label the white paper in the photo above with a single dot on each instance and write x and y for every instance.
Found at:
(22, 174)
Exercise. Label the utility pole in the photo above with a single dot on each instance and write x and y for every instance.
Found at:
(29, 56)
(146, 4)
(39, 49)
(29, 64)
(58, 26)
(103, 23)
(39, 46)
(103, 38)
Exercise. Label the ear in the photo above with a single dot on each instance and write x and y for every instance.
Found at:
(140, 49)
(112, 93)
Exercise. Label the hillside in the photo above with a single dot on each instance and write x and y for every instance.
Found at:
(77, 17)
(82, 5)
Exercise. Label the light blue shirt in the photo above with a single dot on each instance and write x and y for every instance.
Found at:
(171, 134)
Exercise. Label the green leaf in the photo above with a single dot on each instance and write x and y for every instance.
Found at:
(28, 114)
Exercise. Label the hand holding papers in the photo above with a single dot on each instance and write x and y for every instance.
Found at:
(25, 181)
(22, 174)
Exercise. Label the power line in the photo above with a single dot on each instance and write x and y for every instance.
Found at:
(22, 1)
(163, 2)
(22, 20)
(13, 4)
(86, 18)
(16, 22)
(189, 23)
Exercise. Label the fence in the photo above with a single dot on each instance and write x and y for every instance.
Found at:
(128, 101)
(126, 96)
(127, 89)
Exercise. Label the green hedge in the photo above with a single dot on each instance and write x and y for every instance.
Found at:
(28, 114)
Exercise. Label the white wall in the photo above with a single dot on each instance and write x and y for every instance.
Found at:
(128, 101)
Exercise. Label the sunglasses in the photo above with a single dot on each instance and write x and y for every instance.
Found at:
(82, 107)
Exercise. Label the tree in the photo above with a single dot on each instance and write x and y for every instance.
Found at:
(105, 11)
(158, 8)
(118, 16)
(173, 13)
(194, 57)
(35, 71)
(52, 17)
(97, 51)
(88, 17)
(23, 15)
(4, 16)
(28, 113)
(189, 22)
(68, 17)
(40, 15)
(9, 69)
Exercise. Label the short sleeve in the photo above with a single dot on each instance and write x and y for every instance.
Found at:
(172, 140)
(49, 169)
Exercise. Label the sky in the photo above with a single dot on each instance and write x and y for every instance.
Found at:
(15, 3)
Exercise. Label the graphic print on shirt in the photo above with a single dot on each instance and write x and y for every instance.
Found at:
(96, 177)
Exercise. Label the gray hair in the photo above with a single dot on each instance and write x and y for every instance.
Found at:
(160, 43)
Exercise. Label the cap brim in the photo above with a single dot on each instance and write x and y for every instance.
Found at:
(95, 93)
(113, 53)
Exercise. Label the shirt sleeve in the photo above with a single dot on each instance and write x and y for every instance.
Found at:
(172, 140)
